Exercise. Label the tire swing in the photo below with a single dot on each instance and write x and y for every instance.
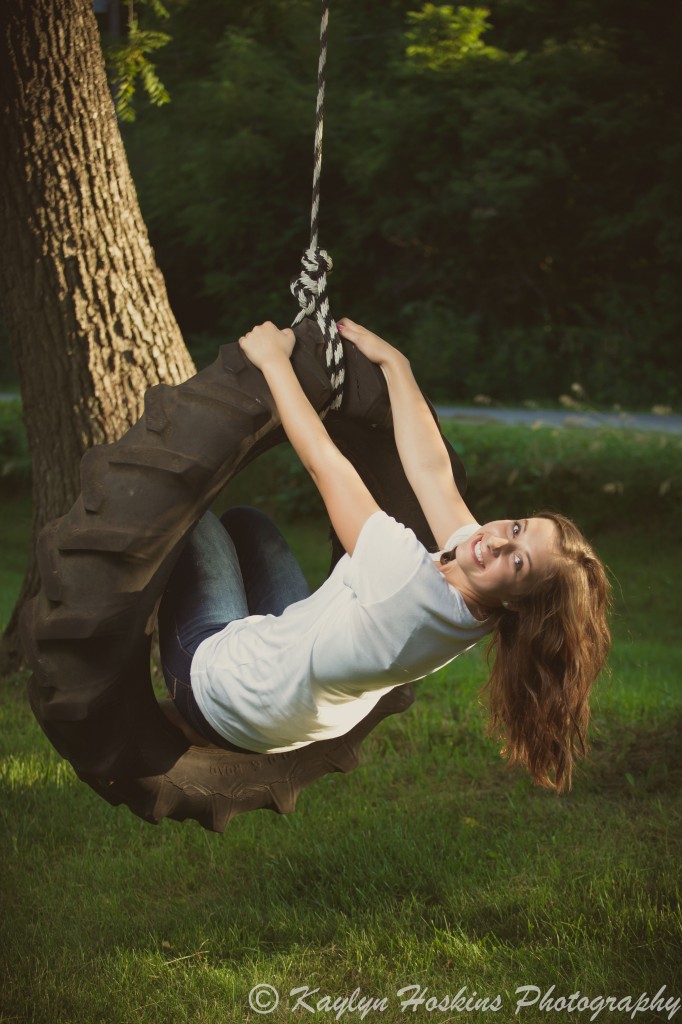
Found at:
(105, 564)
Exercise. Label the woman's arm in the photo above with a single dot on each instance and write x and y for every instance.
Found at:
(348, 502)
(422, 451)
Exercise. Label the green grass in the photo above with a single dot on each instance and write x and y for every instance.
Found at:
(429, 865)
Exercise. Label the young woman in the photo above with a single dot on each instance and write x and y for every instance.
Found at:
(254, 662)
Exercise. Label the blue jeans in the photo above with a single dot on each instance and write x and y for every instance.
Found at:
(230, 567)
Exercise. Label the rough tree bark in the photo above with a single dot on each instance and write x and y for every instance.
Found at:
(85, 304)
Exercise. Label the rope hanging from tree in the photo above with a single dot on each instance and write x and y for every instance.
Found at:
(310, 287)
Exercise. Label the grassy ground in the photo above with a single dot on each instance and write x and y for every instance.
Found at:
(430, 866)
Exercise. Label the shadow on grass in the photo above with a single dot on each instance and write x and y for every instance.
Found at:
(637, 759)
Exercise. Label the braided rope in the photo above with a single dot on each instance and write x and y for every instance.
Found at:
(319, 124)
(310, 287)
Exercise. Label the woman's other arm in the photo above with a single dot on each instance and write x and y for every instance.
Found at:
(422, 452)
(348, 502)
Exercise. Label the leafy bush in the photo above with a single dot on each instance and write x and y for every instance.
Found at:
(605, 479)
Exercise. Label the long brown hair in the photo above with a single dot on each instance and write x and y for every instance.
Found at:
(544, 656)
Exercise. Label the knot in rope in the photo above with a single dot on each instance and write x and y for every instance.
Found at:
(312, 281)
(310, 289)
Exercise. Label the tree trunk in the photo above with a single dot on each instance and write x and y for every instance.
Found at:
(85, 304)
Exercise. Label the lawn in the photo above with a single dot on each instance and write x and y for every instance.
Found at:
(430, 869)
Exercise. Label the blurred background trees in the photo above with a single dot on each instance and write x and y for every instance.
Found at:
(500, 191)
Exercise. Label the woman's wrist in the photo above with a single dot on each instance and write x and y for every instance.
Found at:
(277, 363)
(395, 365)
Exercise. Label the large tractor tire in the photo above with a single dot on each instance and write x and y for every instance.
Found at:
(105, 564)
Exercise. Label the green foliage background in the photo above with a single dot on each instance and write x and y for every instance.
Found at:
(500, 191)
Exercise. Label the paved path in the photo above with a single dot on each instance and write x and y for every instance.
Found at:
(670, 424)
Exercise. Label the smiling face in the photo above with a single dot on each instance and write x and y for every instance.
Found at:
(503, 560)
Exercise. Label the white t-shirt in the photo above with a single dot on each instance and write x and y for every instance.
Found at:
(385, 616)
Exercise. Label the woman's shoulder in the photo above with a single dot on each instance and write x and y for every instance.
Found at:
(387, 555)
(380, 525)
(381, 532)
